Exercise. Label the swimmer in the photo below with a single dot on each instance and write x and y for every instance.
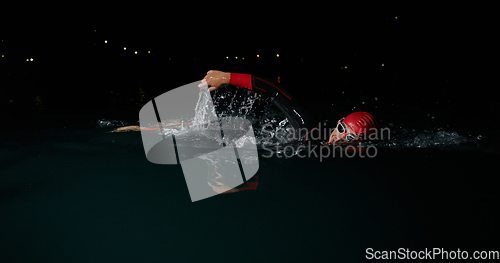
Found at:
(354, 128)
(349, 130)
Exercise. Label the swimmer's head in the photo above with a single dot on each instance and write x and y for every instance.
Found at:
(354, 128)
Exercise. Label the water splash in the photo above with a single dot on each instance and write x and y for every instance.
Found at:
(271, 127)
(411, 138)
(273, 130)
(203, 110)
(111, 123)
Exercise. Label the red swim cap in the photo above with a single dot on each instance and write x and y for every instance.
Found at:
(361, 122)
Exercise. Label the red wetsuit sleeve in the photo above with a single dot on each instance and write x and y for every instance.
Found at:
(241, 80)
(257, 84)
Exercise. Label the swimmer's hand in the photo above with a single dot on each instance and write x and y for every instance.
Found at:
(215, 79)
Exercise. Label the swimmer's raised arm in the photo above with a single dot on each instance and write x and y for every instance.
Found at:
(216, 79)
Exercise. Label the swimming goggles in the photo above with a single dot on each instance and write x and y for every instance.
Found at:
(343, 130)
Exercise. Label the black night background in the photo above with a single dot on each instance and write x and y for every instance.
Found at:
(52, 71)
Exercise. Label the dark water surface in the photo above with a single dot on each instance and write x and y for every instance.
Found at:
(80, 194)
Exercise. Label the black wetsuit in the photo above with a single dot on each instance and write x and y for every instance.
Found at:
(301, 120)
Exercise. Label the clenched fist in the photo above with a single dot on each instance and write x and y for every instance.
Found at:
(215, 79)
